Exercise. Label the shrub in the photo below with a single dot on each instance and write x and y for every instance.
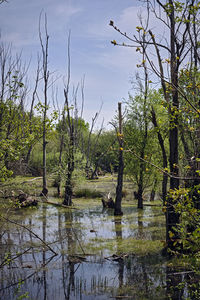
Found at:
(87, 193)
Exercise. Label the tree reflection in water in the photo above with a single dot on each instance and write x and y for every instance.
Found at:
(68, 276)
(44, 224)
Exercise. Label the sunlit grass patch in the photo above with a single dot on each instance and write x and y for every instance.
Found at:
(85, 203)
(128, 245)
(134, 246)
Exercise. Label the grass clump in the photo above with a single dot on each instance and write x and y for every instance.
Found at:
(134, 246)
(87, 193)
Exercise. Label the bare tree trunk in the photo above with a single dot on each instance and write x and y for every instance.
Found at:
(71, 120)
(118, 199)
(31, 110)
(59, 179)
(153, 190)
(70, 123)
(87, 170)
(145, 136)
(70, 168)
(172, 218)
(46, 79)
(164, 155)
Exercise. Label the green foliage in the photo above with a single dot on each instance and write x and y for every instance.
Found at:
(52, 155)
(81, 125)
(106, 146)
(187, 247)
(79, 171)
(18, 290)
(14, 129)
(103, 152)
(141, 137)
(188, 229)
(87, 193)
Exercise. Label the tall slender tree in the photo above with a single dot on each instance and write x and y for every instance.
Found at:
(118, 199)
(44, 42)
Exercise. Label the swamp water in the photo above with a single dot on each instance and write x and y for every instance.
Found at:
(99, 256)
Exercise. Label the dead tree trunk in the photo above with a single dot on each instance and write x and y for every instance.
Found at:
(70, 125)
(70, 168)
(118, 199)
(164, 155)
(46, 79)
(32, 108)
(145, 135)
(172, 218)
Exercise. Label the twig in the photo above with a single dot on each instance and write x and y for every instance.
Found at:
(181, 273)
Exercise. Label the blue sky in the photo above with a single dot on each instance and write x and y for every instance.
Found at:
(107, 69)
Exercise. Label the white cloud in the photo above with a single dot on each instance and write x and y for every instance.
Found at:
(129, 19)
(66, 10)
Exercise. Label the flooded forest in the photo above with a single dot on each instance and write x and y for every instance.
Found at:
(85, 252)
(90, 210)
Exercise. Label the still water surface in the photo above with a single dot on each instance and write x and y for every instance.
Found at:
(85, 239)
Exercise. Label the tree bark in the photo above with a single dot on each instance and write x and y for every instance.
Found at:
(172, 218)
(45, 79)
(70, 168)
(118, 199)
(164, 155)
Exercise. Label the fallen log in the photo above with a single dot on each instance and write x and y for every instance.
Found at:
(59, 204)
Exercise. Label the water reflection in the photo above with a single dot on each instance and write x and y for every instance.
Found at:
(71, 274)
(44, 279)
(118, 231)
(140, 223)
